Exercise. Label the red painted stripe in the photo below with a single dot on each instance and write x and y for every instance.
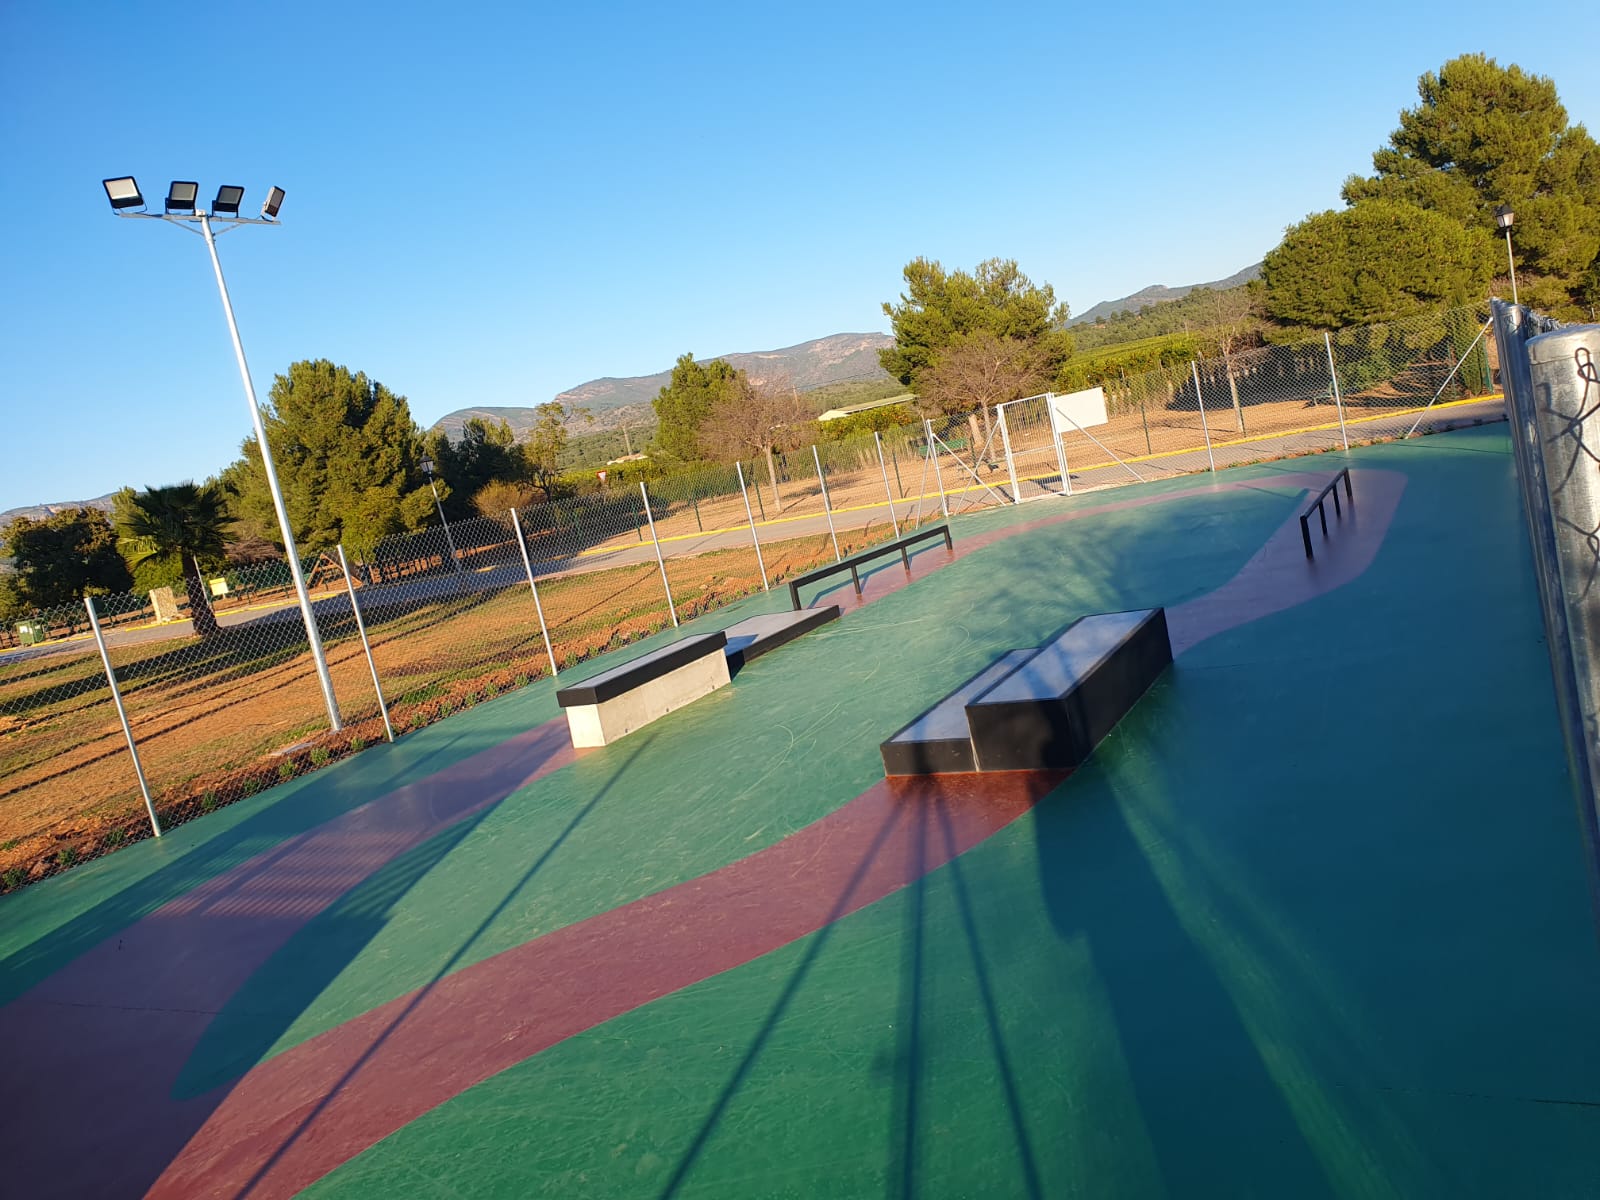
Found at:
(297, 1116)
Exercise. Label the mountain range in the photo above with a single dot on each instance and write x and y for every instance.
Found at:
(613, 402)
(617, 402)
(1158, 293)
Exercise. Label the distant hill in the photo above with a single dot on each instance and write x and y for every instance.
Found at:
(38, 512)
(613, 402)
(1158, 293)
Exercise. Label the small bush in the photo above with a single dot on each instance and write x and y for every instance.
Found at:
(115, 837)
(250, 786)
(286, 769)
(67, 856)
(319, 757)
(208, 802)
(14, 878)
(358, 743)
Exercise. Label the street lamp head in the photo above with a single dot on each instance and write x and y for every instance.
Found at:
(227, 202)
(274, 202)
(181, 195)
(1503, 218)
(123, 193)
(427, 466)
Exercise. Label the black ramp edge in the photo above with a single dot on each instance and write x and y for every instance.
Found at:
(1052, 712)
(754, 636)
(610, 684)
(936, 741)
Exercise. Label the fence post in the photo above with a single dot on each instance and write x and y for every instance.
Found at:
(1011, 466)
(366, 646)
(122, 715)
(1338, 400)
(527, 564)
(938, 475)
(660, 562)
(887, 492)
(826, 508)
(1194, 369)
(1061, 450)
(1233, 390)
(745, 492)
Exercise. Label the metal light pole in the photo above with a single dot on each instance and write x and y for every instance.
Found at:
(427, 469)
(181, 210)
(1503, 219)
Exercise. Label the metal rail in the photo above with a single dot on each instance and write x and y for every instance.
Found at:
(1316, 506)
(898, 546)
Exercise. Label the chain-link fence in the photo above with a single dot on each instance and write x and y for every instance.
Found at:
(458, 614)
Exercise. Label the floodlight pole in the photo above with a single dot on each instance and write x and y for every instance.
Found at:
(1511, 264)
(312, 636)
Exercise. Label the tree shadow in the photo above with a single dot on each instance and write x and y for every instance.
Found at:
(175, 1074)
(1204, 1094)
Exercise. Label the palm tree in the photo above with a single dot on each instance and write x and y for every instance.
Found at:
(180, 525)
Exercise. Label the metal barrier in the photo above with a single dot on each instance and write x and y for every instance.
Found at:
(899, 546)
(1316, 506)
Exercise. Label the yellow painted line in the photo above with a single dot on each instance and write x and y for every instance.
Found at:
(1267, 437)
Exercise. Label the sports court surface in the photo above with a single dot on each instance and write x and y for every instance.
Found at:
(1313, 921)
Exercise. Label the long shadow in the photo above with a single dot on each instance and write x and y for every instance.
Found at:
(1026, 1157)
(1217, 1123)
(780, 1006)
(308, 1121)
(902, 1166)
(181, 1072)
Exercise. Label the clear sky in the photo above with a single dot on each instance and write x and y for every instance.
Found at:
(491, 203)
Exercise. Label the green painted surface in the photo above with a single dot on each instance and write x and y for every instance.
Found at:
(794, 738)
(1313, 922)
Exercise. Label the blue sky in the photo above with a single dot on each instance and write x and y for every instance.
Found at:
(488, 204)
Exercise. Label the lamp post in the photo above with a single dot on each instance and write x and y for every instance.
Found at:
(181, 209)
(427, 469)
(1503, 219)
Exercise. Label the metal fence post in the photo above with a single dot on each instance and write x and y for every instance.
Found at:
(660, 562)
(1338, 400)
(1011, 465)
(122, 715)
(366, 646)
(1061, 450)
(887, 491)
(745, 492)
(826, 507)
(938, 475)
(1233, 390)
(1194, 369)
(527, 564)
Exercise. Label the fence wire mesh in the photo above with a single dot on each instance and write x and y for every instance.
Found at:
(456, 615)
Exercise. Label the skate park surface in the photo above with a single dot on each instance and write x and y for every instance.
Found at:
(1313, 920)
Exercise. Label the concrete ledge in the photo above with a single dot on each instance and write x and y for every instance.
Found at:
(1055, 708)
(616, 680)
(624, 699)
(754, 636)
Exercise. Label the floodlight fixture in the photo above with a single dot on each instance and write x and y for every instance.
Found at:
(182, 208)
(1503, 218)
(123, 193)
(181, 196)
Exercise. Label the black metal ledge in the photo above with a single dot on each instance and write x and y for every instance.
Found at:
(900, 546)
